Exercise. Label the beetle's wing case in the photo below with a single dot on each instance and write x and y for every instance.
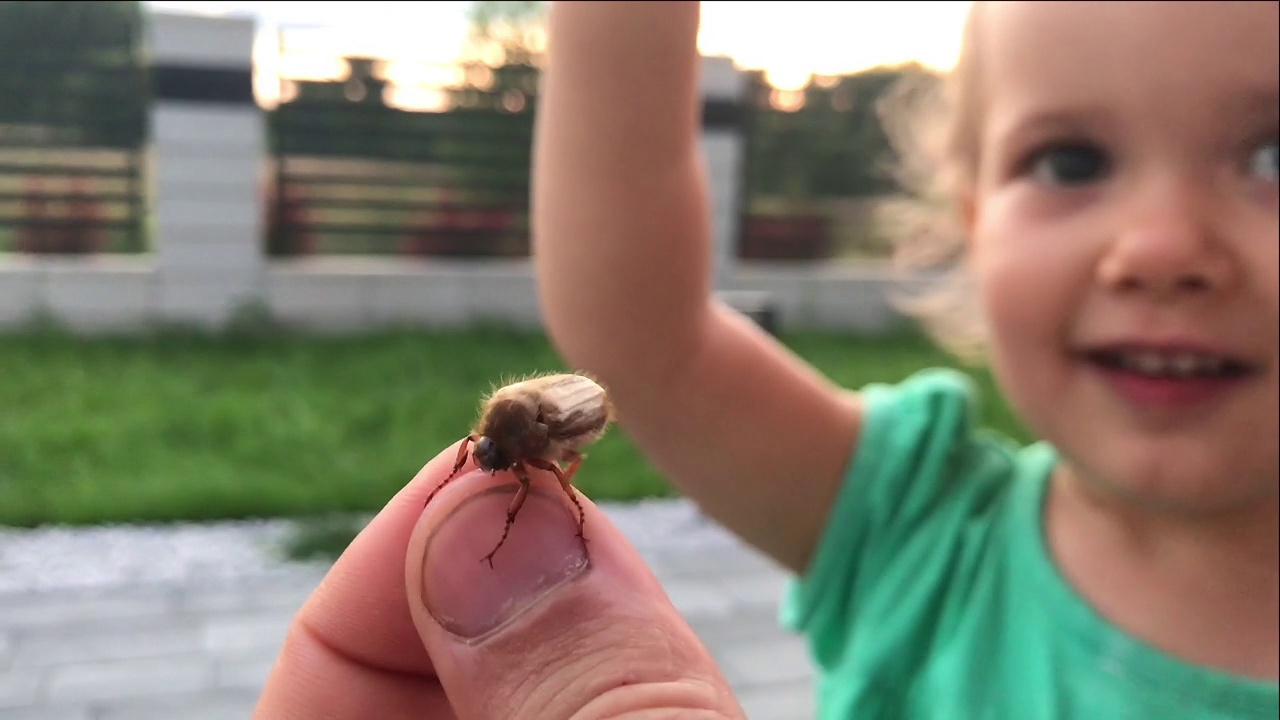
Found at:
(575, 408)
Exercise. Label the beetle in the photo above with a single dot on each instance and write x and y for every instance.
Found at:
(541, 422)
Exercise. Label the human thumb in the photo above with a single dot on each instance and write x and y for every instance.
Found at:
(559, 626)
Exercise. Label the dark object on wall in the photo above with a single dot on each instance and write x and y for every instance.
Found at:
(799, 237)
(455, 230)
(60, 223)
(761, 307)
(287, 228)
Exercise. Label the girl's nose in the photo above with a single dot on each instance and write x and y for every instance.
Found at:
(1168, 246)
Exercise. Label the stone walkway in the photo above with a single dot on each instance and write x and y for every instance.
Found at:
(161, 645)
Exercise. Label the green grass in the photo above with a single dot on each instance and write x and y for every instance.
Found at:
(183, 426)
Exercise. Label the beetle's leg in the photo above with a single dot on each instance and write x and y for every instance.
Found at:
(575, 459)
(564, 485)
(512, 510)
(458, 462)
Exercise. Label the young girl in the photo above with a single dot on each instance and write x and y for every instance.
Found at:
(1113, 169)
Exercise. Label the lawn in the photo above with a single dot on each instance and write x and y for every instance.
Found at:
(181, 426)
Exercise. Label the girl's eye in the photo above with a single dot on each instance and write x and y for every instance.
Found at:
(1264, 160)
(1068, 164)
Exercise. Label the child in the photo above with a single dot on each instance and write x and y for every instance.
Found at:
(1113, 169)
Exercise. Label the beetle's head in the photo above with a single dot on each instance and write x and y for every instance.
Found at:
(488, 456)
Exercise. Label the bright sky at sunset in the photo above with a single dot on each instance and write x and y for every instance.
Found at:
(789, 40)
(793, 39)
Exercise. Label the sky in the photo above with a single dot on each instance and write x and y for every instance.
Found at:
(789, 40)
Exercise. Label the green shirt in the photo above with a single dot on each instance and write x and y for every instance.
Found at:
(932, 593)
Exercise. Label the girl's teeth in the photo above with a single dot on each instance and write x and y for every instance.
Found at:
(1148, 362)
(1173, 365)
(1184, 365)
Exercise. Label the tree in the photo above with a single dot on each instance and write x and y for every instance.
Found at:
(508, 33)
(834, 145)
(493, 110)
(73, 73)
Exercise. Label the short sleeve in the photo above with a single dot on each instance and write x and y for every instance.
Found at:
(915, 443)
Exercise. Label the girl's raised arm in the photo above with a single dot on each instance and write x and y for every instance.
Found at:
(622, 248)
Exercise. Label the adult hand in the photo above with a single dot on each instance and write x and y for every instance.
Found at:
(411, 623)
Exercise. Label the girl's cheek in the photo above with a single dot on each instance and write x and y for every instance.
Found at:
(1030, 260)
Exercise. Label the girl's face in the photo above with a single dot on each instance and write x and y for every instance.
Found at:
(1124, 229)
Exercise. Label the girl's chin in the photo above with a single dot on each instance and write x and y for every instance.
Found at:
(1181, 485)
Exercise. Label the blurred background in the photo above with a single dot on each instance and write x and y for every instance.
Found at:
(260, 260)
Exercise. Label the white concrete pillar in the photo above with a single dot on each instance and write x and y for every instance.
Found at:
(724, 146)
(724, 140)
(207, 158)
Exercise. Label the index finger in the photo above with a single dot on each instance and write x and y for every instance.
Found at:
(353, 643)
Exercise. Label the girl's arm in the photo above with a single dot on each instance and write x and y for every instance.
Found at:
(622, 248)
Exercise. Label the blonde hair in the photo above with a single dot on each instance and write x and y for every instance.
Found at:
(933, 123)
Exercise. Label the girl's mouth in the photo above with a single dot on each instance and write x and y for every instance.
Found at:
(1177, 364)
(1168, 378)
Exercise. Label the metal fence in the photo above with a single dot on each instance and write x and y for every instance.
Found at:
(73, 122)
(393, 156)
(435, 163)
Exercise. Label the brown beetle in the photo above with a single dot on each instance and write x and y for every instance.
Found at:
(539, 422)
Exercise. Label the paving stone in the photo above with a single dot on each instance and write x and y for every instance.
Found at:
(754, 589)
(200, 649)
(114, 679)
(764, 661)
(251, 595)
(48, 712)
(742, 623)
(698, 598)
(725, 558)
(21, 610)
(247, 672)
(90, 626)
(49, 645)
(214, 705)
(787, 701)
(234, 634)
(19, 687)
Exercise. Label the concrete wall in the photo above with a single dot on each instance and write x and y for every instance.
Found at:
(208, 162)
(110, 294)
